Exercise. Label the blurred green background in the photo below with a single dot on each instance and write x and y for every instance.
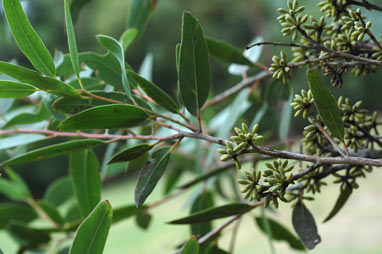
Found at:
(236, 22)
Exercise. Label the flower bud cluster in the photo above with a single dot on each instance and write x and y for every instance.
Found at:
(243, 139)
(303, 103)
(280, 67)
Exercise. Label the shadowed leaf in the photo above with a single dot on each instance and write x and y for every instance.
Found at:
(342, 198)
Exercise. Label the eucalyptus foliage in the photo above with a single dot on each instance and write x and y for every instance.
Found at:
(84, 100)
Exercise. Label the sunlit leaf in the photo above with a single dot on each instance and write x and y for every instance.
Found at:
(191, 246)
(12, 89)
(128, 37)
(27, 39)
(86, 180)
(91, 235)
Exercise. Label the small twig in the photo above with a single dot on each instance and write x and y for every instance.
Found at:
(234, 236)
(365, 4)
(327, 136)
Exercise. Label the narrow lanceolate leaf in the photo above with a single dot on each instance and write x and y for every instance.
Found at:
(130, 153)
(280, 233)
(305, 226)
(105, 117)
(214, 213)
(27, 39)
(16, 212)
(86, 179)
(226, 52)
(342, 198)
(59, 191)
(73, 51)
(90, 238)
(194, 67)
(12, 89)
(117, 51)
(326, 105)
(48, 84)
(150, 174)
(143, 220)
(27, 118)
(53, 151)
(128, 37)
(139, 14)
(191, 246)
(154, 92)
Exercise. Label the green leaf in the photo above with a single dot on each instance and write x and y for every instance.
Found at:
(286, 116)
(48, 84)
(72, 44)
(53, 151)
(154, 92)
(19, 140)
(194, 67)
(202, 202)
(27, 236)
(12, 89)
(139, 14)
(305, 226)
(213, 248)
(18, 181)
(128, 37)
(280, 233)
(76, 105)
(105, 117)
(326, 105)
(143, 220)
(130, 153)
(27, 39)
(342, 198)
(117, 51)
(137, 164)
(191, 246)
(125, 212)
(89, 83)
(27, 118)
(90, 237)
(16, 212)
(73, 214)
(214, 213)
(150, 174)
(59, 191)
(86, 180)
(146, 68)
(76, 6)
(51, 211)
(226, 52)
(107, 66)
(205, 176)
